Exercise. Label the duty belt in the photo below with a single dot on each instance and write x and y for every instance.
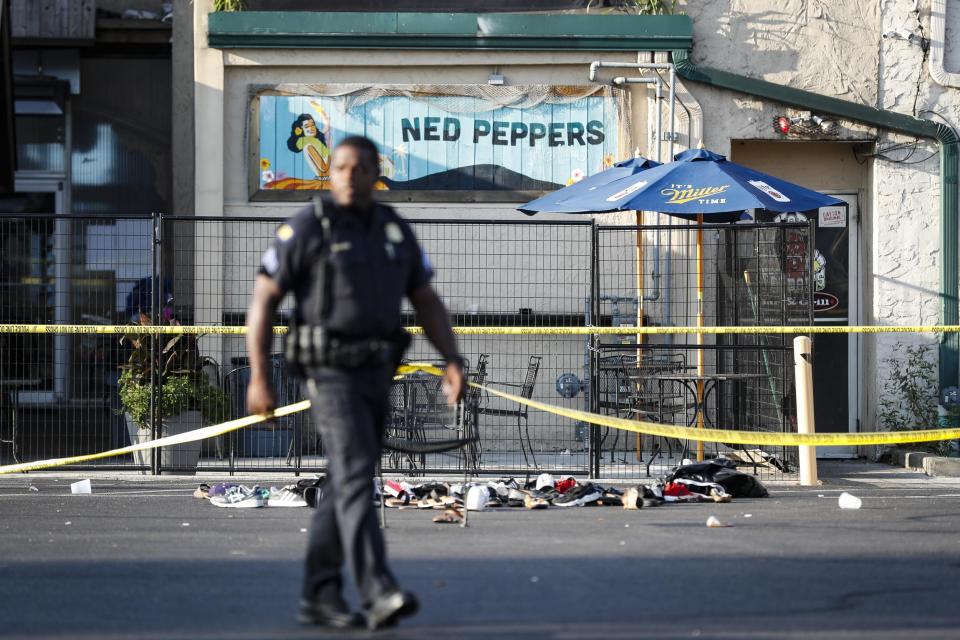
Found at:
(314, 346)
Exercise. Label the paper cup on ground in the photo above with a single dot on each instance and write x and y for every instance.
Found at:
(848, 501)
(81, 487)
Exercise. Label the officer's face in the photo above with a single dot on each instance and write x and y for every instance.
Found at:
(352, 177)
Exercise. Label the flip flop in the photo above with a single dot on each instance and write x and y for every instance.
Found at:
(449, 516)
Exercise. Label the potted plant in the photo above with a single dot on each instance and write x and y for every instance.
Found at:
(186, 400)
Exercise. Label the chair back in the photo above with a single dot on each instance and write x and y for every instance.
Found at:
(477, 377)
(530, 379)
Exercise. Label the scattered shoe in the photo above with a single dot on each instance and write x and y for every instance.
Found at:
(449, 516)
(631, 499)
(531, 501)
(565, 484)
(611, 497)
(516, 498)
(202, 492)
(333, 615)
(312, 490)
(241, 497)
(544, 480)
(286, 497)
(477, 498)
(221, 488)
(394, 489)
(390, 607)
(578, 496)
(721, 496)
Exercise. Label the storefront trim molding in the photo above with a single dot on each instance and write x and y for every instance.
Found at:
(513, 31)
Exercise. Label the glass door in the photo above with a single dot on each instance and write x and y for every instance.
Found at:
(34, 288)
(836, 299)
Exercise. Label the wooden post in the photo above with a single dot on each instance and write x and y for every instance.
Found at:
(803, 377)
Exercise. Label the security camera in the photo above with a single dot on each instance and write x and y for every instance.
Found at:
(827, 126)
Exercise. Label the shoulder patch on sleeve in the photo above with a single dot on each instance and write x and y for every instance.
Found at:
(394, 234)
(270, 261)
(284, 232)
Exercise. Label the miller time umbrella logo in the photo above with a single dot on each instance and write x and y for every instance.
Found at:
(682, 194)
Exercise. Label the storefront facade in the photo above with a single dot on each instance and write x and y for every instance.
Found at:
(404, 79)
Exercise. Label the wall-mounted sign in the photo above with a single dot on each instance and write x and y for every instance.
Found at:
(471, 138)
(832, 217)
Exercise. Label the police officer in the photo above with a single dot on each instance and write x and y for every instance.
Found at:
(349, 262)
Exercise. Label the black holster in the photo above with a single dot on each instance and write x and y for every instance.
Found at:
(314, 346)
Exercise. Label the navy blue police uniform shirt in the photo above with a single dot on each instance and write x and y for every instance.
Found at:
(372, 264)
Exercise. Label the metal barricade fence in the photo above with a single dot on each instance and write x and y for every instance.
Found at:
(71, 394)
(749, 275)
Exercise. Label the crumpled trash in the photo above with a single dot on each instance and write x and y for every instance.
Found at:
(82, 487)
(33, 488)
(849, 501)
(714, 523)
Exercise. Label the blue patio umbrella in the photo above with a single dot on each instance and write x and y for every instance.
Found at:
(697, 184)
(556, 200)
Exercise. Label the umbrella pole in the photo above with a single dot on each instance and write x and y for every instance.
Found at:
(640, 294)
(700, 370)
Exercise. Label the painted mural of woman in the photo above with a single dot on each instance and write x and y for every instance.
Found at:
(307, 138)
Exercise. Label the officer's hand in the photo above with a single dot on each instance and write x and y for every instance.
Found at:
(454, 384)
(260, 398)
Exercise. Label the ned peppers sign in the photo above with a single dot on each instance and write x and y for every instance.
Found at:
(441, 141)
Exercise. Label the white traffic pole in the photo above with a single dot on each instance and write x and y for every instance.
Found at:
(803, 377)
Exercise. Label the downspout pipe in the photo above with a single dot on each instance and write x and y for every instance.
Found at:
(938, 43)
(946, 139)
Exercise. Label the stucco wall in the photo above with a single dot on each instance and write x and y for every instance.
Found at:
(826, 46)
(906, 223)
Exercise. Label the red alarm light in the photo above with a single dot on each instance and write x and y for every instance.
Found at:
(781, 125)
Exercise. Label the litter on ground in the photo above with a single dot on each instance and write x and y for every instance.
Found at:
(849, 501)
(715, 523)
(82, 487)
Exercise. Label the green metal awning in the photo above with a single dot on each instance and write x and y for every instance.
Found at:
(513, 31)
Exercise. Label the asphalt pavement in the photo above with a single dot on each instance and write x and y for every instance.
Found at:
(141, 558)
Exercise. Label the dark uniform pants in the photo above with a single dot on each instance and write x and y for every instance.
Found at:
(349, 410)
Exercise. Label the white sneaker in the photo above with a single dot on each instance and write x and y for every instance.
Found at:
(285, 497)
(241, 498)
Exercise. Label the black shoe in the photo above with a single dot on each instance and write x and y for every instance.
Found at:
(328, 614)
(388, 608)
(578, 496)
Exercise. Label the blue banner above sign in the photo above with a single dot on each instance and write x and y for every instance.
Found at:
(440, 142)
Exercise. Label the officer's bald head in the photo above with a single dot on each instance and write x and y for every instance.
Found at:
(354, 170)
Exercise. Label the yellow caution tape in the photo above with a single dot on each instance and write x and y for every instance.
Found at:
(482, 331)
(180, 438)
(767, 438)
(761, 438)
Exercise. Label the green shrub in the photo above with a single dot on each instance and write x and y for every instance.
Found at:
(909, 399)
(183, 384)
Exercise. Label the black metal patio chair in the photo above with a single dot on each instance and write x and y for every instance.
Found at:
(520, 413)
